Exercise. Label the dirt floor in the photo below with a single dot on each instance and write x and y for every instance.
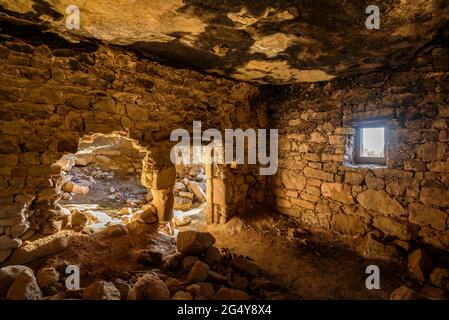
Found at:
(311, 266)
(307, 266)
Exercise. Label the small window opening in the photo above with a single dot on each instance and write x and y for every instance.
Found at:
(370, 144)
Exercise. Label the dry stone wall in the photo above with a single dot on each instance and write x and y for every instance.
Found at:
(51, 95)
(318, 182)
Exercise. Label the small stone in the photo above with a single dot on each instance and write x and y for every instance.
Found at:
(261, 283)
(240, 283)
(75, 188)
(149, 287)
(174, 261)
(182, 204)
(173, 285)
(440, 278)
(47, 277)
(149, 215)
(101, 290)
(419, 265)
(202, 289)
(123, 287)
(117, 230)
(405, 293)
(216, 277)
(433, 293)
(194, 242)
(25, 287)
(7, 243)
(182, 295)
(188, 263)
(199, 272)
(79, 219)
(230, 294)
(213, 256)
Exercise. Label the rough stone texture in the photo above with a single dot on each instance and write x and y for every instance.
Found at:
(320, 185)
(47, 277)
(149, 287)
(25, 287)
(420, 265)
(194, 242)
(8, 275)
(261, 41)
(101, 290)
(57, 93)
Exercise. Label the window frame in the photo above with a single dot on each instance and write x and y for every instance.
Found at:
(358, 143)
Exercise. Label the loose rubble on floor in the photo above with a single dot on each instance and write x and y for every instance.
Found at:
(194, 269)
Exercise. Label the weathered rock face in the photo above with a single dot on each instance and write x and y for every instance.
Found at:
(320, 184)
(260, 41)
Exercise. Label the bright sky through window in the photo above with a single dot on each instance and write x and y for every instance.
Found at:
(373, 142)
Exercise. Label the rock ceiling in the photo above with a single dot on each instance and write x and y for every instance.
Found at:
(260, 41)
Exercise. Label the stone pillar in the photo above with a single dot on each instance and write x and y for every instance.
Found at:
(159, 176)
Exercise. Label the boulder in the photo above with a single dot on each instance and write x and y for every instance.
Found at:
(213, 256)
(47, 277)
(101, 290)
(193, 242)
(188, 262)
(25, 287)
(24, 255)
(149, 287)
(199, 272)
(8, 275)
(419, 265)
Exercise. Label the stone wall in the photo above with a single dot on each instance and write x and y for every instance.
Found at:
(52, 94)
(317, 183)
